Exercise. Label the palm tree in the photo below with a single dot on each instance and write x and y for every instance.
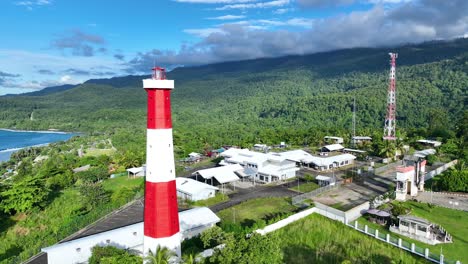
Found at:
(161, 256)
(387, 149)
(189, 259)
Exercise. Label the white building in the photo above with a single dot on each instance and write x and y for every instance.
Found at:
(269, 167)
(334, 140)
(432, 143)
(360, 139)
(223, 174)
(192, 222)
(136, 172)
(193, 190)
(409, 180)
(332, 147)
(321, 163)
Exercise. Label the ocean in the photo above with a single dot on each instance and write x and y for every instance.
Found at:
(11, 141)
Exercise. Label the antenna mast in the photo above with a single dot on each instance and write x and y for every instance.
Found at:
(390, 119)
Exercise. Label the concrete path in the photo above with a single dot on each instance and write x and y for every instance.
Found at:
(448, 200)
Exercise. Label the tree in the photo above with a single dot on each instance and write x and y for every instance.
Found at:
(162, 255)
(93, 195)
(24, 195)
(387, 149)
(112, 255)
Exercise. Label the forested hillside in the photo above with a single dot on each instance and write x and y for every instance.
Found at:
(294, 99)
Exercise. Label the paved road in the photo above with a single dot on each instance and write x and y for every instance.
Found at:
(453, 201)
(252, 193)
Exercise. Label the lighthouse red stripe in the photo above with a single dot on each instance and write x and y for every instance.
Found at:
(159, 108)
(161, 213)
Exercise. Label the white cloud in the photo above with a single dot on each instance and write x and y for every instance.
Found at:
(281, 11)
(269, 4)
(409, 22)
(227, 17)
(203, 32)
(30, 4)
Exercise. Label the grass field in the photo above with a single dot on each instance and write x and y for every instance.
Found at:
(454, 221)
(306, 187)
(121, 182)
(97, 152)
(219, 198)
(317, 239)
(256, 209)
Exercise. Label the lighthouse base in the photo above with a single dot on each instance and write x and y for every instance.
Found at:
(172, 243)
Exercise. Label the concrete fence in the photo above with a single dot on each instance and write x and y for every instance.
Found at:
(400, 243)
(439, 170)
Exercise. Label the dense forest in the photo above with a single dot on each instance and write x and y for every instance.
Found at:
(296, 99)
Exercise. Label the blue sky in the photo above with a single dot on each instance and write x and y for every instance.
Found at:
(53, 42)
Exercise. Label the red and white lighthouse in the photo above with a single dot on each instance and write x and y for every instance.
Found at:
(161, 217)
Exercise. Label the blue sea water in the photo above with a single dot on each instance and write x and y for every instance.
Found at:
(11, 141)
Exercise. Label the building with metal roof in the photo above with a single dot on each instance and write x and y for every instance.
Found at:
(193, 190)
(125, 235)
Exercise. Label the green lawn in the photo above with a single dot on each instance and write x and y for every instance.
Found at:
(219, 198)
(256, 209)
(306, 187)
(316, 239)
(454, 221)
(121, 182)
(98, 152)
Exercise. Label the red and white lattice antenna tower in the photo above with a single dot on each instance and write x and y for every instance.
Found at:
(390, 118)
(161, 216)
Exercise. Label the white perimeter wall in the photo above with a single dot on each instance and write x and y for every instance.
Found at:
(67, 253)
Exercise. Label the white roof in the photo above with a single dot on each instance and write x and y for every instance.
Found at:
(361, 138)
(191, 186)
(354, 150)
(135, 170)
(424, 153)
(302, 156)
(334, 147)
(196, 217)
(322, 178)
(194, 154)
(332, 137)
(222, 174)
(432, 142)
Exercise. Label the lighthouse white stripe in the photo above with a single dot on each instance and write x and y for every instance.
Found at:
(159, 156)
(172, 243)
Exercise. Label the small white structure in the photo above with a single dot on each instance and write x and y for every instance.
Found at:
(192, 222)
(223, 174)
(194, 157)
(409, 180)
(193, 190)
(421, 229)
(360, 139)
(325, 180)
(432, 143)
(261, 147)
(334, 140)
(136, 172)
(333, 147)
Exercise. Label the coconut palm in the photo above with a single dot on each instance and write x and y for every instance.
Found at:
(162, 255)
(387, 149)
(189, 259)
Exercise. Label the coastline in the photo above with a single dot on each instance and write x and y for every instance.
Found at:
(9, 149)
(38, 131)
